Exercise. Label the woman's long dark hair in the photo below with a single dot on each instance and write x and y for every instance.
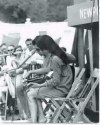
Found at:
(45, 42)
(34, 40)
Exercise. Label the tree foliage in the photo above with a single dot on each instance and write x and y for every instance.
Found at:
(17, 11)
(57, 9)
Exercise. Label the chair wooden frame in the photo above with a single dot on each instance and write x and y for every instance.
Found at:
(53, 101)
(78, 109)
(93, 81)
(48, 101)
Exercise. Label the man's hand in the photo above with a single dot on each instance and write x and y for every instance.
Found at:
(27, 74)
(19, 71)
(12, 73)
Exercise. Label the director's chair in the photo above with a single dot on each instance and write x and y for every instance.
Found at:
(58, 116)
(47, 101)
(75, 105)
(86, 94)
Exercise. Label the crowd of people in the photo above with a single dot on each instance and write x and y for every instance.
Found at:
(41, 57)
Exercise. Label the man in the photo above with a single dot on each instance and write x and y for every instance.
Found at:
(35, 58)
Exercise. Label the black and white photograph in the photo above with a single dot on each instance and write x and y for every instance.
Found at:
(49, 61)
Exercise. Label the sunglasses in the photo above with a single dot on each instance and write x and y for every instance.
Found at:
(10, 50)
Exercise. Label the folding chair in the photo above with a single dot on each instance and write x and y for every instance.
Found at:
(47, 101)
(54, 101)
(5, 90)
(76, 105)
(86, 94)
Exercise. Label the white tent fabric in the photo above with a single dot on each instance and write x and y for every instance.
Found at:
(11, 39)
(31, 30)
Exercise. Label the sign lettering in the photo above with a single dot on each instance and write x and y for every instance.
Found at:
(87, 12)
(82, 13)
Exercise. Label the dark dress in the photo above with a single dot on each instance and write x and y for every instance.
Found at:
(61, 82)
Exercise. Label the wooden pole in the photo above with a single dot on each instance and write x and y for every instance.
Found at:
(81, 47)
(81, 57)
(93, 101)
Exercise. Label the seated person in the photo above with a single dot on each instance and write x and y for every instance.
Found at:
(34, 59)
(9, 79)
(21, 97)
(20, 72)
(60, 83)
(2, 80)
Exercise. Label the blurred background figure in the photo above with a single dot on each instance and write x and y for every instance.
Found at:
(4, 48)
(10, 57)
(2, 85)
(10, 79)
(2, 80)
(20, 93)
(4, 51)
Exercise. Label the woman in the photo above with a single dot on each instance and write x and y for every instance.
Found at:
(21, 96)
(60, 83)
(10, 80)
